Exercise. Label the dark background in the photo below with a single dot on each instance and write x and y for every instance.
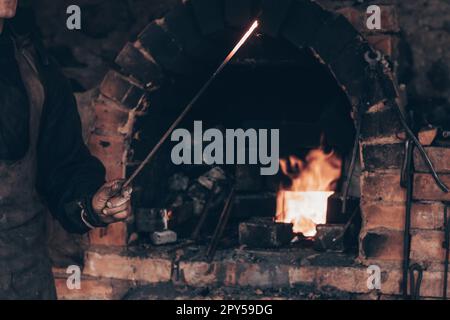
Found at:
(108, 24)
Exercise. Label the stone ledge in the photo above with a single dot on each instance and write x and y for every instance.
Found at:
(92, 288)
(302, 292)
(249, 269)
(119, 266)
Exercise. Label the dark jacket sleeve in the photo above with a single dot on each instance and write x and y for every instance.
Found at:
(67, 173)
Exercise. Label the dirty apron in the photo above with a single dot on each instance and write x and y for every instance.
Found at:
(25, 268)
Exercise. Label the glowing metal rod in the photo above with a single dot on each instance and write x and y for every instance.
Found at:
(191, 104)
(237, 47)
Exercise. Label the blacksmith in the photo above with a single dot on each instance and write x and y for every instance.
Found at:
(43, 163)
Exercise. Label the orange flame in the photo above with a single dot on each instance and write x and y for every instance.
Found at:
(305, 202)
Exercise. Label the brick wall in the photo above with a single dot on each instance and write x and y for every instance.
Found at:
(383, 200)
(166, 45)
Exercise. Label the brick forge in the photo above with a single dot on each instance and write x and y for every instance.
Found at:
(177, 44)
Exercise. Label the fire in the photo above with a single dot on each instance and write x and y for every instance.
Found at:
(304, 203)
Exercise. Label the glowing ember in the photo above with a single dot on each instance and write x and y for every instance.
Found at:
(305, 202)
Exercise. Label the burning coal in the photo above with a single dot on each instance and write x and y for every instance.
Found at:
(313, 181)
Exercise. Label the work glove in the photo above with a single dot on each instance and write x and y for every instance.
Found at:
(112, 202)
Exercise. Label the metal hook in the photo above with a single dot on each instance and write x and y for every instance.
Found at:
(416, 284)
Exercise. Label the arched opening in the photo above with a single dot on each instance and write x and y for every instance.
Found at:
(294, 94)
(306, 73)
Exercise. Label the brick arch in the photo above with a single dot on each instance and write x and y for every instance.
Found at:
(176, 43)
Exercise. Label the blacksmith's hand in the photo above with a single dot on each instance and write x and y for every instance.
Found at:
(112, 203)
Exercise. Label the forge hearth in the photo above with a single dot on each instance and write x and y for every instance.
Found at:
(312, 83)
(316, 132)
(282, 274)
